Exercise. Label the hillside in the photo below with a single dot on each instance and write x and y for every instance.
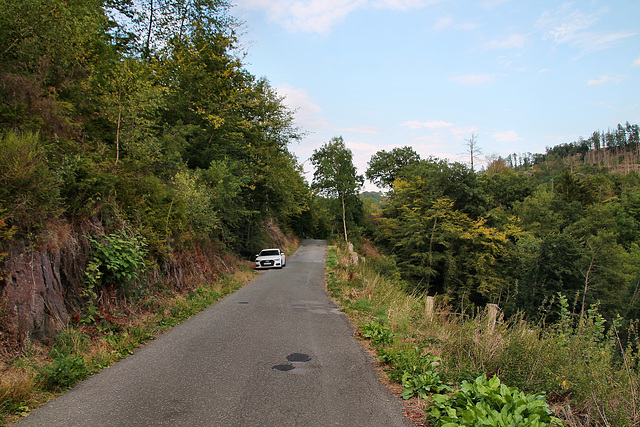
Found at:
(138, 159)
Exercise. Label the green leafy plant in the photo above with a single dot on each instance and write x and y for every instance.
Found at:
(65, 371)
(90, 315)
(117, 260)
(377, 333)
(416, 371)
(490, 403)
(422, 384)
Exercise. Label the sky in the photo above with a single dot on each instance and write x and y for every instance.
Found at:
(517, 75)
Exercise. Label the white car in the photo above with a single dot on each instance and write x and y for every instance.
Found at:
(269, 258)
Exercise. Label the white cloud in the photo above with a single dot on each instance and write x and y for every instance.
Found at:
(364, 129)
(304, 16)
(307, 114)
(442, 23)
(463, 132)
(511, 42)
(636, 63)
(319, 16)
(604, 79)
(490, 4)
(507, 136)
(433, 124)
(474, 79)
(570, 26)
(447, 22)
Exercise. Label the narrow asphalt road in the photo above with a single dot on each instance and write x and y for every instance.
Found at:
(276, 353)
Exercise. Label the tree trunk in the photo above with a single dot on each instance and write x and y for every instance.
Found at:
(344, 218)
(147, 49)
(586, 282)
(118, 126)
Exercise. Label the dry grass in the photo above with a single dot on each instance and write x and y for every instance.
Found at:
(18, 382)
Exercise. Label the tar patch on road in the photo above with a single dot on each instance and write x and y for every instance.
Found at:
(296, 362)
(298, 357)
(284, 368)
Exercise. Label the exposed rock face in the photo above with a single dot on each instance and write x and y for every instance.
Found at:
(32, 294)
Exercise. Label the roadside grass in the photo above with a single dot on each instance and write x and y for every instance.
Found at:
(581, 371)
(42, 373)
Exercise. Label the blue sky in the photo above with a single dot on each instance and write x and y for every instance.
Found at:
(521, 75)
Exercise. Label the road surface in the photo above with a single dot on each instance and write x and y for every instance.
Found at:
(278, 352)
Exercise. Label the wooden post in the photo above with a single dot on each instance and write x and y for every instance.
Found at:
(428, 307)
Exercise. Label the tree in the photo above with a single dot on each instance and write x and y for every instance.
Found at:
(385, 167)
(335, 175)
(472, 149)
(505, 187)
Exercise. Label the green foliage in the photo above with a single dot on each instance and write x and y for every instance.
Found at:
(96, 80)
(377, 333)
(85, 186)
(498, 238)
(506, 187)
(422, 384)
(385, 167)
(29, 191)
(65, 371)
(415, 370)
(490, 403)
(201, 214)
(335, 177)
(6, 234)
(578, 362)
(118, 259)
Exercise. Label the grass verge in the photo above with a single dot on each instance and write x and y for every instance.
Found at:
(576, 368)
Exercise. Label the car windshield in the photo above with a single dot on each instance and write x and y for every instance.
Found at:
(269, 252)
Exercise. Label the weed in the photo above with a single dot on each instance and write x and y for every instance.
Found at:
(65, 371)
(71, 341)
(415, 370)
(377, 333)
(489, 402)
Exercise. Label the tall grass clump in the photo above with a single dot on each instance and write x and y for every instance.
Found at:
(580, 366)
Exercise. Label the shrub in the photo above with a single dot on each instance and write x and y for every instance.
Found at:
(65, 371)
(28, 189)
(490, 403)
(415, 370)
(377, 333)
(117, 260)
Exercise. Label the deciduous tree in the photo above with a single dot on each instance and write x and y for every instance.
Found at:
(335, 175)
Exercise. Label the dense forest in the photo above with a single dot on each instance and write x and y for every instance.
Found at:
(517, 235)
(149, 119)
